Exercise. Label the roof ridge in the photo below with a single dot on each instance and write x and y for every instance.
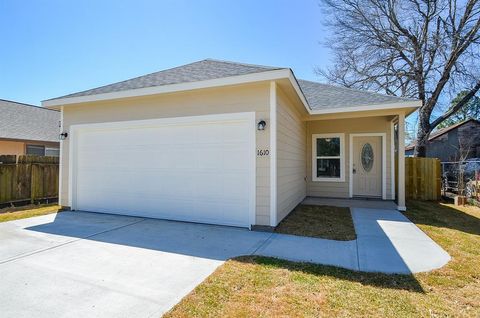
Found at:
(244, 64)
(25, 104)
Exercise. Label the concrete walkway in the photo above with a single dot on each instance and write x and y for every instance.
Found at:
(387, 242)
(75, 264)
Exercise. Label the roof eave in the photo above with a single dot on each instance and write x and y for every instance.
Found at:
(414, 104)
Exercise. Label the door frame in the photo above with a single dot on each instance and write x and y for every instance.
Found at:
(384, 162)
(248, 117)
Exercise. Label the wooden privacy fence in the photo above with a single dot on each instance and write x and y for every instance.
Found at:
(423, 179)
(28, 178)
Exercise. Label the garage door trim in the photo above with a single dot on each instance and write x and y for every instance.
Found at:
(248, 117)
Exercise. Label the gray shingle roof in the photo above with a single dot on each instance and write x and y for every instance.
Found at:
(198, 71)
(319, 96)
(323, 96)
(28, 122)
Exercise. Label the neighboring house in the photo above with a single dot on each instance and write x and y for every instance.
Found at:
(447, 144)
(226, 143)
(28, 129)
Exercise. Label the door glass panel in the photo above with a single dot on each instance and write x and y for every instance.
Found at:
(367, 157)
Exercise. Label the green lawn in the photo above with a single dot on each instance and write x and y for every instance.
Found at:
(15, 213)
(266, 287)
(319, 221)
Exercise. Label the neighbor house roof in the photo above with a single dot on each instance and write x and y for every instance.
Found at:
(28, 122)
(443, 131)
(318, 96)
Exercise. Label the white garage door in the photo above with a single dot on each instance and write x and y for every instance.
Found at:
(199, 169)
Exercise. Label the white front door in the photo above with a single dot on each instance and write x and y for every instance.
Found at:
(198, 169)
(367, 166)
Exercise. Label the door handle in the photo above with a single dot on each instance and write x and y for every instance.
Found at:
(354, 170)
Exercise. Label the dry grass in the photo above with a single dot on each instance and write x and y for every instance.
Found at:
(16, 213)
(326, 222)
(266, 287)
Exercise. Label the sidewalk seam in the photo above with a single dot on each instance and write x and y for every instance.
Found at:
(263, 244)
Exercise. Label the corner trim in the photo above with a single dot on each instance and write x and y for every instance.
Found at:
(273, 153)
(61, 165)
(392, 159)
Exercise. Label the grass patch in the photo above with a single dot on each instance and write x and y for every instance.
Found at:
(266, 287)
(326, 222)
(16, 213)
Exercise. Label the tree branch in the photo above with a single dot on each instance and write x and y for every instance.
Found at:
(458, 106)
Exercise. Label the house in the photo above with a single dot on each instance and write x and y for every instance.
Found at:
(453, 142)
(226, 143)
(28, 130)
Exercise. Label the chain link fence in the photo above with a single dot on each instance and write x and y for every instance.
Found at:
(462, 178)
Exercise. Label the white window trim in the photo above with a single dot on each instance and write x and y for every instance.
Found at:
(342, 157)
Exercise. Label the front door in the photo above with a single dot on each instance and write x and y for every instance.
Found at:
(367, 166)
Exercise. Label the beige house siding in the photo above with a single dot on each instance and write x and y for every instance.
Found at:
(11, 147)
(291, 156)
(232, 99)
(347, 126)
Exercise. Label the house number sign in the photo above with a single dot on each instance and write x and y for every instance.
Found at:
(262, 152)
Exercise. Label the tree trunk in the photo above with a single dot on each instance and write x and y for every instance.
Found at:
(422, 135)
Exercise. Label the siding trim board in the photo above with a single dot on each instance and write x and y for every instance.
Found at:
(392, 159)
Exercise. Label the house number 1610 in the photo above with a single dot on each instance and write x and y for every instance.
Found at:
(263, 152)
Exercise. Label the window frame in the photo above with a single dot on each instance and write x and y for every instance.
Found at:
(52, 149)
(341, 136)
(34, 145)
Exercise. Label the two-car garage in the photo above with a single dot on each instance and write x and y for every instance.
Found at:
(199, 169)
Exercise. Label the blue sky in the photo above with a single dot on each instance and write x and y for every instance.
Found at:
(51, 48)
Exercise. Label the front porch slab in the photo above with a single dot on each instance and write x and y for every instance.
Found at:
(351, 203)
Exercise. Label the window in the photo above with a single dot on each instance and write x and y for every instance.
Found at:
(35, 150)
(54, 152)
(328, 157)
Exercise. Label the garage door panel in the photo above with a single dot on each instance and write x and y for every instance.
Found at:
(199, 171)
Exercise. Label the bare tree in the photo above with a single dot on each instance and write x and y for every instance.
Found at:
(423, 49)
(465, 146)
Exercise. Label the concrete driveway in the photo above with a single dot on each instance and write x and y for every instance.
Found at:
(75, 264)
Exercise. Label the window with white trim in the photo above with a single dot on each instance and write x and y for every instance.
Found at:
(328, 159)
